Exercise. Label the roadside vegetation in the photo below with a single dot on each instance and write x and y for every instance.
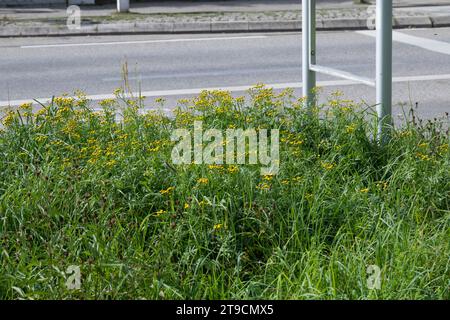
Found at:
(97, 189)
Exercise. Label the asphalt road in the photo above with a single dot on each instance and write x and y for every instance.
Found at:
(178, 66)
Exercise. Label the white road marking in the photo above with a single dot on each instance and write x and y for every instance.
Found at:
(183, 92)
(424, 43)
(138, 42)
(198, 74)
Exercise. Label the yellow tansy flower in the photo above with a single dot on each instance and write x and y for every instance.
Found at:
(203, 180)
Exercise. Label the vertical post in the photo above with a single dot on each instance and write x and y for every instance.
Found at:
(384, 67)
(309, 49)
(123, 5)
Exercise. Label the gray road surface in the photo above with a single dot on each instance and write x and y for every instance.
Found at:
(176, 65)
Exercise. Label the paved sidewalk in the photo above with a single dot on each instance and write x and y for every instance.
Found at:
(215, 16)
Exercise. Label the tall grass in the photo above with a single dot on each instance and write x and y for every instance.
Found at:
(78, 187)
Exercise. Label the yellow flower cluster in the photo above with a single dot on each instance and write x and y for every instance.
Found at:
(9, 118)
(263, 186)
(41, 112)
(57, 143)
(167, 191)
(63, 101)
(405, 133)
(350, 129)
(215, 167)
(423, 157)
(423, 145)
(203, 203)
(40, 138)
(160, 212)
(71, 128)
(443, 148)
(107, 103)
(293, 140)
(293, 180)
(232, 169)
(328, 165)
(383, 185)
(109, 152)
(111, 163)
(26, 106)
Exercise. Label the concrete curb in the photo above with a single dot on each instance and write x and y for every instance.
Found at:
(441, 21)
(216, 27)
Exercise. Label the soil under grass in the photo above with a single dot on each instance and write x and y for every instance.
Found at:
(79, 188)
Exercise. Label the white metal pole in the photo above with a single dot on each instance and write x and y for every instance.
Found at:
(384, 67)
(123, 5)
(309, 49)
